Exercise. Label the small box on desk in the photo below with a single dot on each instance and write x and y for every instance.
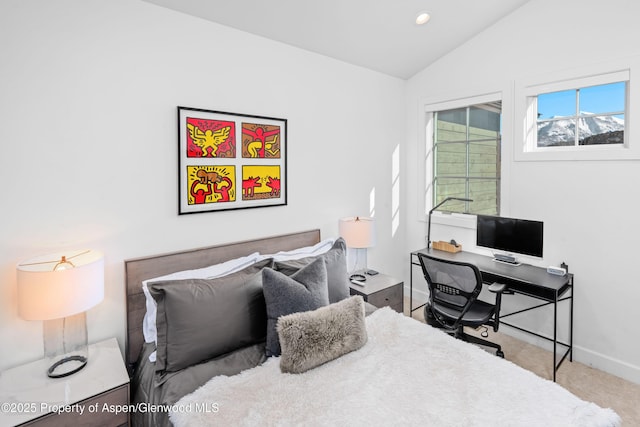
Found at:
(446, 246)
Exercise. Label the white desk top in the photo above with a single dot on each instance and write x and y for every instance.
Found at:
(26, 392)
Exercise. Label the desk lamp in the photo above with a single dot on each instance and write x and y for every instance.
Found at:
(436, 207)
(358, 233)
(59, 289)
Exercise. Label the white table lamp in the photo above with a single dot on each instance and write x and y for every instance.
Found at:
(359, 234)
(59, 289)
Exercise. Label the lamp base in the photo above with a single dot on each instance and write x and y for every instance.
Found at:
(357, 258)
(58, 370)
(359, 277)
(65, 345)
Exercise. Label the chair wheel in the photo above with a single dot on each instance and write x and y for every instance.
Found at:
(500, 353)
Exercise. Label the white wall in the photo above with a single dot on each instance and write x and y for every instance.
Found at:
(88, 141)
(589, 207)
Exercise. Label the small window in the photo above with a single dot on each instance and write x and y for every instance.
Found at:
(575, 114)
(593, 115)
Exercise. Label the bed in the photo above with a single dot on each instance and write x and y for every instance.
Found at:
(264, 332)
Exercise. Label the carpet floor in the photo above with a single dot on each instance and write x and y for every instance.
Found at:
(606, 390)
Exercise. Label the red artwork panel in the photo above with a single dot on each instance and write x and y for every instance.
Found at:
(210, 138)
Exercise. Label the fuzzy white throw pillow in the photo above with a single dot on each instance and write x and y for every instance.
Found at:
(312, 338)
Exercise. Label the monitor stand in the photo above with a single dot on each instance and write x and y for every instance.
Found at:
(506, 258)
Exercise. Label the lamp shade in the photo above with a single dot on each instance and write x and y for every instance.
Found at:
(358, 232)
(60, 285)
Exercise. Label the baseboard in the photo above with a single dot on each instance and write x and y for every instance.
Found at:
(582, 355)
(419, 297)
(607, 364)
(418, 294)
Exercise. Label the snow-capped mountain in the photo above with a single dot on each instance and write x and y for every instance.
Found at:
(555, 132)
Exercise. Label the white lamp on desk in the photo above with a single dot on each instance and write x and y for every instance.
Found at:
(59, 289)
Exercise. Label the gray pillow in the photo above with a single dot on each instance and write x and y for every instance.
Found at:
(304, 290)
(316, 337)
(199, 319)
(336, 262)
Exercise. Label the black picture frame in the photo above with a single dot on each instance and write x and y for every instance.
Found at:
(230, 161)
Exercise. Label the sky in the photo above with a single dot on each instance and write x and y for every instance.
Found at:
(607, 98)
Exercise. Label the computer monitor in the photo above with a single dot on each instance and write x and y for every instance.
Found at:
(512, 235)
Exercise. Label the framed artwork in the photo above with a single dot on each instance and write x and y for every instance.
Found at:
(230, 161)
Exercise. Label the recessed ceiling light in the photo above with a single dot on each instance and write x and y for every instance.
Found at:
(422, 18)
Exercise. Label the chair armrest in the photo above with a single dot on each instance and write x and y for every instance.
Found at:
(496, 287)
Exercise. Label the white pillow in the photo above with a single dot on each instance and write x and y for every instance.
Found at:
(210, 272)
(307, 251)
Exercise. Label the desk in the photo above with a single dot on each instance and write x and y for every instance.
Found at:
(522, 279)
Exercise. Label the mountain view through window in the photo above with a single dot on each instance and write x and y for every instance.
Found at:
(579, 117)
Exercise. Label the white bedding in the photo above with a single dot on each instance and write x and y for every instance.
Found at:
(408, 373)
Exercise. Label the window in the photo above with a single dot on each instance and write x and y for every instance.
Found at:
(466, 157)
(576, 114)
(592, 115)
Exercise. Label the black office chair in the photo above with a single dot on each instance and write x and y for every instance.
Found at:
(453, 299)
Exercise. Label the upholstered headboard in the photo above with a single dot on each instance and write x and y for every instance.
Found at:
(137, 270)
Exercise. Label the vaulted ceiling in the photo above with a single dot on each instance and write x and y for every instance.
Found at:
(380, 35)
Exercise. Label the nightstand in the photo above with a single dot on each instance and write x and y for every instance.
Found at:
(98, 395)
(381, 290)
